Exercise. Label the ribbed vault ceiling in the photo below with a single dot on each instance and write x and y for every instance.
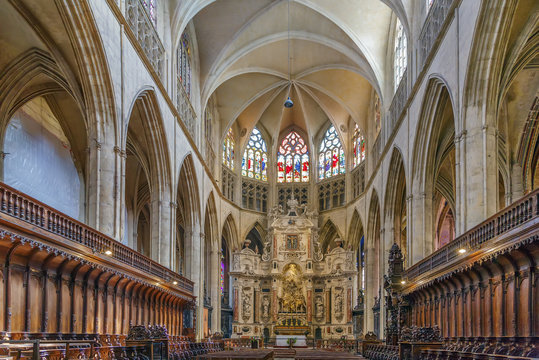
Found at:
(338, 53)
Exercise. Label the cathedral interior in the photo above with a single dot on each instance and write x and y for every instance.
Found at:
(260, 179)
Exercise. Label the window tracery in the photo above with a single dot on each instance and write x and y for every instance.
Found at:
(255, 157)
(331, 156)
(228, 150)
(293, 160)
(400, 62)
(359, 146)
(184, 63)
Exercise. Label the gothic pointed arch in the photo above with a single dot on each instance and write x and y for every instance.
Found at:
(187, 211)
(37, 99)
(256, 237)
(147, 180)
(356, 240)
(396, 201)
(230, 233)
(328, 235)
(434, 168)
(373, 262)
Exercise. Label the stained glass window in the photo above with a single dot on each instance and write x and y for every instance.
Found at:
(222, 273)
(400, 53)
(228, 150)
(293, 159)
(331, 155)
(184, 64)
(377, 115)
(359, 146)
(255, 157)
(149, 5)
(429, 4)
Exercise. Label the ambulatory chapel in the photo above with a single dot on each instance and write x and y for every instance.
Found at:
(269, 179)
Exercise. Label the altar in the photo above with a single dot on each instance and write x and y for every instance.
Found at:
(282, 340)
(292, 289)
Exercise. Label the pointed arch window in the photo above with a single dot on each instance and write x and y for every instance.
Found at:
(184, 63)
(293, 160)
(359, 146)
(255, 157)
(149, 5)
(228, 150)
(331, 155)
(400, 62)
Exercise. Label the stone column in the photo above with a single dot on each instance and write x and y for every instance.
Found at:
(370, 288)
(161, 247)
(515, 190)
(102, 187)
(479, 182)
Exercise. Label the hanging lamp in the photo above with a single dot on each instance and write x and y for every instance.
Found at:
(289, 103)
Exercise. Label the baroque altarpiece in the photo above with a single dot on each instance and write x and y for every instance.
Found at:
(292, 288)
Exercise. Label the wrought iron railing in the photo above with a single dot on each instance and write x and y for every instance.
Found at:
(21, 206)
(474, 239)
(143, 28)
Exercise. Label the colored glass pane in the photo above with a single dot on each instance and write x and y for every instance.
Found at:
(331, 155)
(222, 273)
(359, 146)
(228, 150)
(293, 159)
(255, 157)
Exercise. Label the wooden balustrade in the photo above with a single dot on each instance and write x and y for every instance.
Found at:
(513, 216)
(20, 206)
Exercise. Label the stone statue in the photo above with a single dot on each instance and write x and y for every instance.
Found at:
(265, 307)
(246, 305)
(319, 308)
(339, 304)
(236, 262)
